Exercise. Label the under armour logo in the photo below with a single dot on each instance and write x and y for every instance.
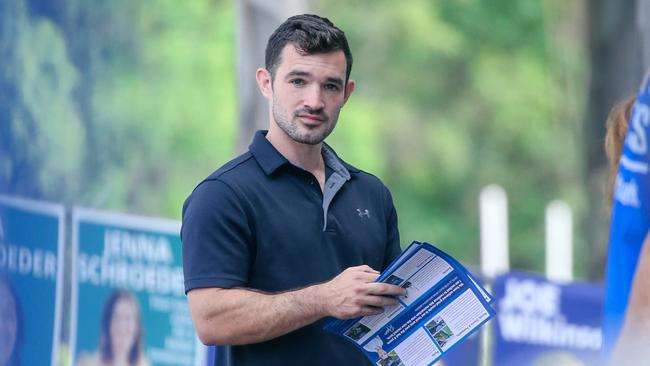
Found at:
(364, 213)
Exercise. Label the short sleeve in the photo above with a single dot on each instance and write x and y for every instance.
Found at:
(393, 248)
(216, 237)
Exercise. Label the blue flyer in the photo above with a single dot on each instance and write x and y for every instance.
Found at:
(442, 307)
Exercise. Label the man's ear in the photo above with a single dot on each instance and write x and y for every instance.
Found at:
(264, 82)
(349, 88)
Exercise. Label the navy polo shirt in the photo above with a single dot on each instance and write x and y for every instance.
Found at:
(263, 223)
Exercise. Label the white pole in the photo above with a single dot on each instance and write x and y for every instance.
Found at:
(494, 249)
(559, 242)
(494, 231)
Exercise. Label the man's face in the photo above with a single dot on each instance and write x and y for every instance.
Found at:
(307, 94)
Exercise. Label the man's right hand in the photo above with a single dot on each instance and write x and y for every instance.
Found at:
(354, 293)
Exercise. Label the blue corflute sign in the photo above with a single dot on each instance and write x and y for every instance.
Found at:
(540, 322)
(127, 295)
(31, 281)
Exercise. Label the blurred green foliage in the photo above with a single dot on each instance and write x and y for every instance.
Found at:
(126, 105)
(119, 105)
(465, 94)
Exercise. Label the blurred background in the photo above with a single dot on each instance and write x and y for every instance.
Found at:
(126, 105)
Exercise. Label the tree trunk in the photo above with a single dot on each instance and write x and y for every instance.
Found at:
(256, 20)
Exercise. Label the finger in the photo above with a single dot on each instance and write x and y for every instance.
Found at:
(367, 277)
(379, 301)
(385, 289)
(365, 268)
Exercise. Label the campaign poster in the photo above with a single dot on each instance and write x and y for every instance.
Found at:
(128, 300)
(541, 323)
(31, 281)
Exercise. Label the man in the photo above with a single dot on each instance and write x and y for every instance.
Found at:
(287, 234)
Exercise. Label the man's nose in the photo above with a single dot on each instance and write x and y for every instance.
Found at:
(314, 98)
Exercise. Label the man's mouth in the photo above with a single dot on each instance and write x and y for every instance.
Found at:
(312, 117)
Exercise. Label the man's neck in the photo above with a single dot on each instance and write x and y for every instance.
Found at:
(306, 156)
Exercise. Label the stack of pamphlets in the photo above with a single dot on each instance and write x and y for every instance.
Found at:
(443, 305)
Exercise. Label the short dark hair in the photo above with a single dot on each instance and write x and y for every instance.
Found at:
(310, 34)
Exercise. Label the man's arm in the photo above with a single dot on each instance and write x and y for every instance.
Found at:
(242, 316)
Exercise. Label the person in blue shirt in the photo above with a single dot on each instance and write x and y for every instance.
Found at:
(288, 235)
(626, 317)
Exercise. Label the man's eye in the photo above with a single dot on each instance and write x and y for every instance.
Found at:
(332, 87)
(297, 82)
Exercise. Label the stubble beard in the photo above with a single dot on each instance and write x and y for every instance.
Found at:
(288, 122)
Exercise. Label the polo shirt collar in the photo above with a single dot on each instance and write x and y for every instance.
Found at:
(270, 159)
(266, 155)
(332, 161)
